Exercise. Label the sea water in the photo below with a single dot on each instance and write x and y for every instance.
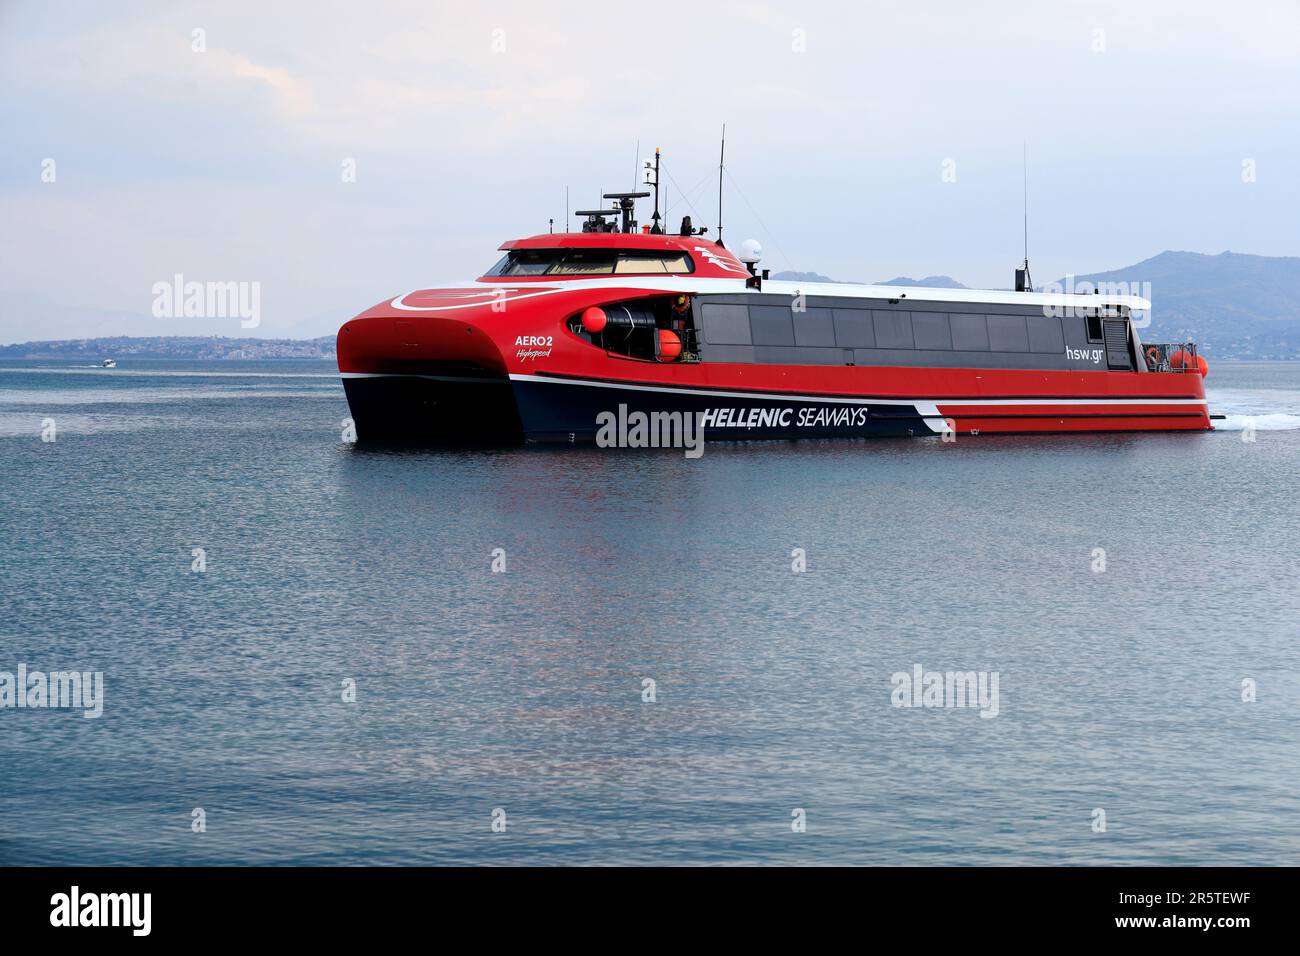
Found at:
(317, 653)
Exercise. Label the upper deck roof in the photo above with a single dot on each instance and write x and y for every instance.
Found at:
(614, 240)
(916, 293)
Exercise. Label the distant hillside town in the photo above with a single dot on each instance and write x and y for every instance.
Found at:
(176, 347)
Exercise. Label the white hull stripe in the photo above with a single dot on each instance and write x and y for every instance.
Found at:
(927, 407)
(479, 302)
(479, 294)
(924, 404)
(434, 378)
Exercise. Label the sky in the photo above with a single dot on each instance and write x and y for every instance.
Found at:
(333, 155)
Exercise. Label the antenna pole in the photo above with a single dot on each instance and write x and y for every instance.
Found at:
(657, 229)
(566, 208)
(1024, 160)
(722, 154)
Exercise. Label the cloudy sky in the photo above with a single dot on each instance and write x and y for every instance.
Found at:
(865, 140)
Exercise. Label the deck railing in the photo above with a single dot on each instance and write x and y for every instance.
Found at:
(690, 344)
(1170, 356)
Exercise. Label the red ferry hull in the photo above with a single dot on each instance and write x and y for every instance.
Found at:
(505, 361)
(435, 406)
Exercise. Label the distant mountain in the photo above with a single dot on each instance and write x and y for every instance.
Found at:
(196, 347)
(1232, 304)
(933, 282)
(803, 277)
(930, 282)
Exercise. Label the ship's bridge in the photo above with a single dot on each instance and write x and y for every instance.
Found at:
(579, 254)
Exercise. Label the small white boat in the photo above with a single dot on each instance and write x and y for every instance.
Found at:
(109, 363)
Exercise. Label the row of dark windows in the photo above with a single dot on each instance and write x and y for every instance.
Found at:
(591, 262)
(881, 329)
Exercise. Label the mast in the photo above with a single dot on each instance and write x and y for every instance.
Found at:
(1024, 162)
(722, 153)
(1023, 282)
(655, 228)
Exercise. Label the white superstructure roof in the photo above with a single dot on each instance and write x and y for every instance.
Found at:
(689, 284)
(974, 296)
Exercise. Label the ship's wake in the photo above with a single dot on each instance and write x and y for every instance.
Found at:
(1261, 409)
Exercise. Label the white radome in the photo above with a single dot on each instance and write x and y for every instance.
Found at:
(750, 252)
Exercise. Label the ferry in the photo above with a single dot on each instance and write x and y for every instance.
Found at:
(568, 329)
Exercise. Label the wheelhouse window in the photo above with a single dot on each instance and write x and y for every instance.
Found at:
(653, 263)
(524, 262)
(591, 262)
(584, 262)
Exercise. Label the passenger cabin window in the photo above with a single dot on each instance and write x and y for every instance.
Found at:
(726, 324)
(1045, 334)
(1007, 333)
(853, 329)
(814, 327)
(822, 335)
(771, 324)
(970, 332)
(591, 262)
(893, 330)
(931, 330)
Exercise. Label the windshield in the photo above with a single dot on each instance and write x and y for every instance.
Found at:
(591, 262)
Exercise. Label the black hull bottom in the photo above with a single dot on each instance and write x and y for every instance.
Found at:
(555, 411)
(429, 410)
(456, 411)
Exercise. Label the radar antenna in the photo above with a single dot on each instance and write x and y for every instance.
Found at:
(596, 219)
(627, 206)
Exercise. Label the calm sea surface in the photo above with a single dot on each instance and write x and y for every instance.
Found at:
(523, 691)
